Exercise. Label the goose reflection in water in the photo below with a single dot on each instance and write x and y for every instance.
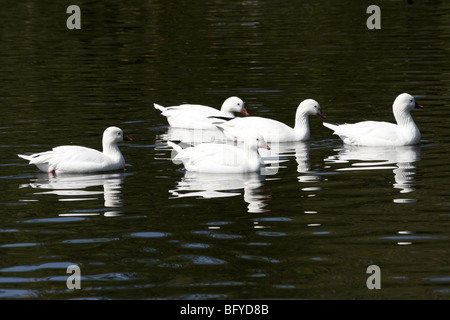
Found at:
(399, 159)
(216, 185)
(281, 152)
(72, 187)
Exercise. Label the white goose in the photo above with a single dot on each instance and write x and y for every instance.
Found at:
(273, 130)
(195, 116)
(76, 159)
(223, 158)
(380, 133)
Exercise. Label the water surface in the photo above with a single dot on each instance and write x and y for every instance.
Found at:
(307, 230)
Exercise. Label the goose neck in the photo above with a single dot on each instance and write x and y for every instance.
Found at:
(110, 148)
(403, 118)
(251, 152)
(301, 123)
(227, 113)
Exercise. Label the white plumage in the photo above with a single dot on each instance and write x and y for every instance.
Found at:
(273, 130)
(76, 159)
(195, 116)
(223, 158)
(379, 133)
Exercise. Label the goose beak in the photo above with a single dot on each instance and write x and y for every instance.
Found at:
(126, 138)
(322, 115)
(244, 112)
(267, 147)
(418, 106)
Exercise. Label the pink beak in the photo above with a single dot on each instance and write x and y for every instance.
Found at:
(322, 115)
(244, 112)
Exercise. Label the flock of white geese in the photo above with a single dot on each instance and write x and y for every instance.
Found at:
(254, 132)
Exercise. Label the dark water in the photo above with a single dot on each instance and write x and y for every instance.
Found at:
(308, 231)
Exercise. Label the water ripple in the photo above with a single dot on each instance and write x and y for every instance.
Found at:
(203, 259)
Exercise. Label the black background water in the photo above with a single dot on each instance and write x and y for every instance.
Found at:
(308, 231)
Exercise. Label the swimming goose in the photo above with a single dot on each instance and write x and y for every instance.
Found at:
(273, 130)
(223, 158)
(194, 116)
(76, 159)
(380, 133)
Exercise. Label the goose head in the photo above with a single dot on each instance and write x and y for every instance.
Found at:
(113, 135)
(310, 107)
(405, 103)
(234, 104)
(255, 141)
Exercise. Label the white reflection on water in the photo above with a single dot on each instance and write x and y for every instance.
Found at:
(215, 185)
(301, 152)
(280, 151)
(75, 187)
(398, 159)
